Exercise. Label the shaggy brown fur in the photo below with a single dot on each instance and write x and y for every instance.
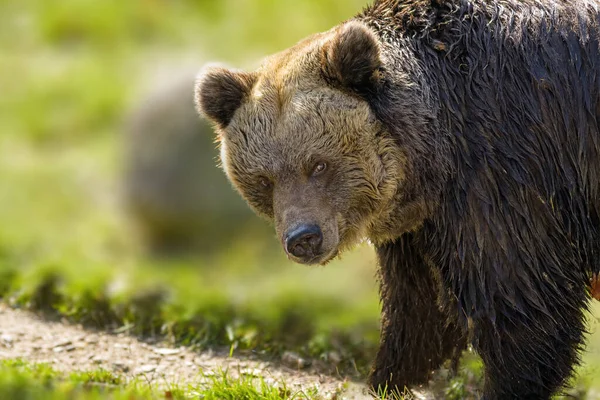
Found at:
(462, 138)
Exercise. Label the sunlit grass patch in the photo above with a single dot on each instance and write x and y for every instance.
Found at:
(26, 381)
(223, 387)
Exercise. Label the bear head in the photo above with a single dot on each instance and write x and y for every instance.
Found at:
(301, 143)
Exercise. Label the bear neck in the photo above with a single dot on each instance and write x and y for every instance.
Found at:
(422, 146)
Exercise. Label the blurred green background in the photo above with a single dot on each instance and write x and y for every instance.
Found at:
(94, 108)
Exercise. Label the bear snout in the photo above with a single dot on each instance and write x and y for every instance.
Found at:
(304, 242)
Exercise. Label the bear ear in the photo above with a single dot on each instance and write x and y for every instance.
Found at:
(219, 92)
(353, 57)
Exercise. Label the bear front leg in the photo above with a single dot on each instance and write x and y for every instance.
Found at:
(417, 335)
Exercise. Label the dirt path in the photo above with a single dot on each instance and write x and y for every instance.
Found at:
(70, 348)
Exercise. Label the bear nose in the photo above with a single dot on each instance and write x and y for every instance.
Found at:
(304, 242)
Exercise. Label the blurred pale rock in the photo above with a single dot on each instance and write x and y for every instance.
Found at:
(174, 192)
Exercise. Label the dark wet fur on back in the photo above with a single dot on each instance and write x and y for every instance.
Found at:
(514, 226)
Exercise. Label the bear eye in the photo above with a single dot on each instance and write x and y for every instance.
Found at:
(319, 168)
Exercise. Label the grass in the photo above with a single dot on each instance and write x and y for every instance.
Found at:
(25, 381)
(69, 75)
(21, 380)
(221, 387)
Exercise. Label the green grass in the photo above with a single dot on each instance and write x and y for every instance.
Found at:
(25, 381)
(221, 387)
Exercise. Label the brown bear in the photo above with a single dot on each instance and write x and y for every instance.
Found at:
(460, 137)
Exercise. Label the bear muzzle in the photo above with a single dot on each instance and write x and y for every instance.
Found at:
(304, 243)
